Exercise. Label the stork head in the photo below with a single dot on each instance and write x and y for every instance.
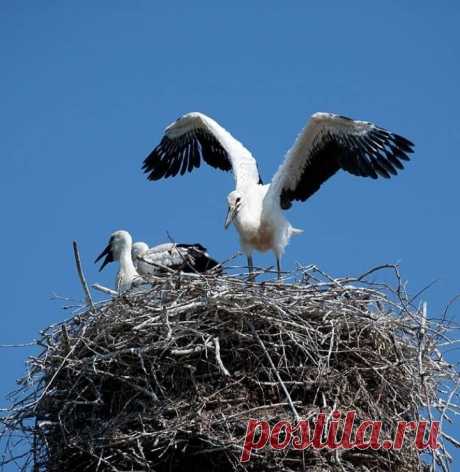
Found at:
(118, 242)
(138, 249)
(234, 201)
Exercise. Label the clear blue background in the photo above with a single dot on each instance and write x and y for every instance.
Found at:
(87, 89)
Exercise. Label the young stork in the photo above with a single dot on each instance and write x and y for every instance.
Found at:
(327, 144)
(119, 249)
(185, 257)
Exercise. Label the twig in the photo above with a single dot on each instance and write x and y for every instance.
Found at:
(33, 343)
(88, 299)
(219, 359)
(106, 290)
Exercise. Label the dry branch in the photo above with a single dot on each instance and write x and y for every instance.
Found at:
(81, 275)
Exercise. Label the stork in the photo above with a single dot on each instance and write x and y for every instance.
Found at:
(328, 143)
(119, 249)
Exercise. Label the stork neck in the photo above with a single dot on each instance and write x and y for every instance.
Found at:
(126, 262)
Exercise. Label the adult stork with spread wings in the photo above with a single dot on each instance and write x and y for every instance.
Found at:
(327, 144)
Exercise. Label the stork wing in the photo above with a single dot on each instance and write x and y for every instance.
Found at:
(195, 136)
(156, 259)
(331, 142)
(185, 257)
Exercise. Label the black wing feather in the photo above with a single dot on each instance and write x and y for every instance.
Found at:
(375, 153)
(184, 153)
(195, 259)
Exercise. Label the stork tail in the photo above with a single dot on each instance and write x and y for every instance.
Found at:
(294, 231)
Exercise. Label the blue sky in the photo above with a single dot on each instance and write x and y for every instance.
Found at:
(87, 89)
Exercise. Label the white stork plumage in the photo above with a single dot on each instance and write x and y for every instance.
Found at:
(138, 260)
(184, 257)
(119, 249)
(327, 144)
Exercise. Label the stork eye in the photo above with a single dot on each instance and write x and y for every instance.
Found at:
(238, 199)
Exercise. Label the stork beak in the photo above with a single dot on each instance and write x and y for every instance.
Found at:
(109, 257)
(230, 215)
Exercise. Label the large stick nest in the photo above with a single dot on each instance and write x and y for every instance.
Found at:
(165, 379)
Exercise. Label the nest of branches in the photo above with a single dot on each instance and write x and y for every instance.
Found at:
(166, 379)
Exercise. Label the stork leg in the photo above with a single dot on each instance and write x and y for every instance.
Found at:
(278, 266)
(251, 268)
